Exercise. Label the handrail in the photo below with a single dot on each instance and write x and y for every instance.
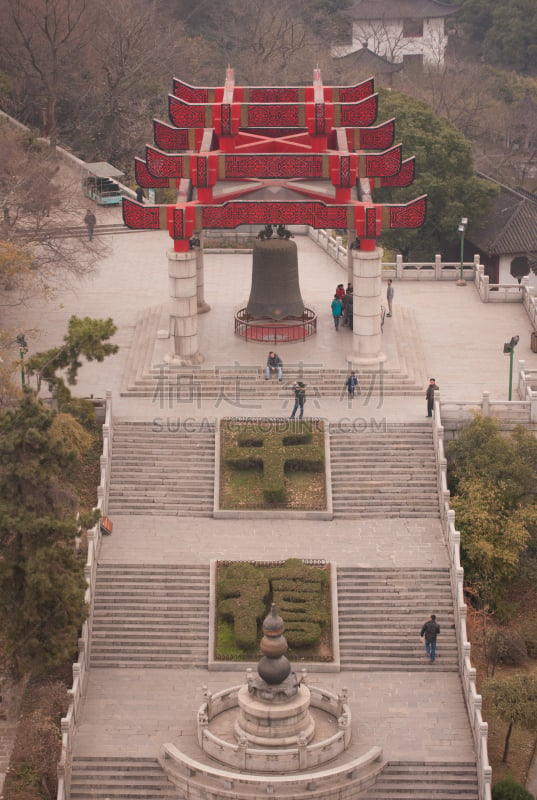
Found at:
(473, 700)
(80, 668)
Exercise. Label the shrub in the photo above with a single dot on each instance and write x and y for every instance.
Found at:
(249, 441)
(241, 595)
(506, 646)
(528, 631)
(297, 438)
(300, 592)
(509, 789)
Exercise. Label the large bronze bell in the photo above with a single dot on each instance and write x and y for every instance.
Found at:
(275, 291)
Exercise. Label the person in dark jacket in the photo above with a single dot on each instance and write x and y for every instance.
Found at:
(430, 630)
(299, 389)
(90, 223)
(348, 309)
(274, 364)
(429, 395)
(351, 384)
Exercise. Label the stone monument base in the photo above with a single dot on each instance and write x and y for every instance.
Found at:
(275, 724)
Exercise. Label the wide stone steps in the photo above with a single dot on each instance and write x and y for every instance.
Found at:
(182, 384)
(158, 472)
(408, 780)
(388, 471)
(150, 616)
(381, 612)
(98, 778)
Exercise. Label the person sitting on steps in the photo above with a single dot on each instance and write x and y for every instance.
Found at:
(274, 364)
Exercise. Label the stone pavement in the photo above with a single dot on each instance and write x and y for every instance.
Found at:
(459, 341)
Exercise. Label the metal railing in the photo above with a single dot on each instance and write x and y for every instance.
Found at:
(290, 329)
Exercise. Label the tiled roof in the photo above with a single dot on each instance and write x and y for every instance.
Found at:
(400, 9)
(511, 226)
(369, 61)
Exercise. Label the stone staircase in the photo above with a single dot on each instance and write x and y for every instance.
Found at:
(174, 385)
(381, 612)
(418, 780)
(162, 469)
(154, 616)
(99, 778)
(384, 472)
(96, 778)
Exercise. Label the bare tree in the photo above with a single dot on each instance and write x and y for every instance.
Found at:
(39, 203)
(44, 39)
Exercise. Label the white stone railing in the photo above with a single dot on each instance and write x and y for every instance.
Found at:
(333, 246)
(509, 413)
(530, 302)
(473, 700)
(436, 270)
(499, 292)
(77, 691)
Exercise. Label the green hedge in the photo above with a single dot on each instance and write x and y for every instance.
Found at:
(301, 593)
(274, 453)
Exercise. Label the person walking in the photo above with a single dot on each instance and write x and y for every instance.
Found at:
(299, 389)
(429, 394)
(430, 630)
(140, 194)
(351, 384)
(274, 364)
(389, 298)
(90, 222)
(340, 291)
(336, 310)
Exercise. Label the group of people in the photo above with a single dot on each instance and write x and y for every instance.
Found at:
(342, 306)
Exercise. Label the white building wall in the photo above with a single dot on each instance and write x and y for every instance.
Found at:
(505, 276)
(386, 39)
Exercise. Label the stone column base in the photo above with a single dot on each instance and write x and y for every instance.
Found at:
(355, 361)
(175, 360)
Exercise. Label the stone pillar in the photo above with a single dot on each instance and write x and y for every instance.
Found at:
(367, 283)
(203, 307)
(182, 274)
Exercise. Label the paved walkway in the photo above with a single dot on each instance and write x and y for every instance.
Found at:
(459, 341)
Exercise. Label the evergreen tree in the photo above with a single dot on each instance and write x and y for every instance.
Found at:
(41, 578)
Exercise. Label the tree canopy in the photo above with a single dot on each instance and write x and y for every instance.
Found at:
(514, 699)
(41, 578)
(505, 31)
(444, 172)
(85, 337)
(492, 479)
(37, 203)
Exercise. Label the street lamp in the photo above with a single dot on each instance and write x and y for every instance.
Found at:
(462, 227)
(509, 347)
(23, 347)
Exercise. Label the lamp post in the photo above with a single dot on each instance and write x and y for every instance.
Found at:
(509, 347)
(462, 227)
(23, 349)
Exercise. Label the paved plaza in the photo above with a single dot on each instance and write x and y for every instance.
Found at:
(446, 332)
